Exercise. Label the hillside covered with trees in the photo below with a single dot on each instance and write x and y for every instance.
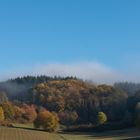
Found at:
(47, 102)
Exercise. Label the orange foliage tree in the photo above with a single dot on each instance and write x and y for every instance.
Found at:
(46, 120)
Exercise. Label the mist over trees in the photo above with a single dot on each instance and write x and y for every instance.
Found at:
(129, 87)
(17, 89)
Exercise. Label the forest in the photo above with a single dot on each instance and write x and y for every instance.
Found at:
(70, 103)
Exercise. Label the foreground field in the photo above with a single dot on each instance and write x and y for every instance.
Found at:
(25, 134)
(129, 134)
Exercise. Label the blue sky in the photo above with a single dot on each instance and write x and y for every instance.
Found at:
(74, 32)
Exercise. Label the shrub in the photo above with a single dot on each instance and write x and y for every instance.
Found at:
(18, 112)
(9, 111)
(101, 118)
(29, 113)
(46, 120)
(1, 115)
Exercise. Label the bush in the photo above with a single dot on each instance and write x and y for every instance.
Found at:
(9, 111)
(2, 117)
(29, 113)
(102, 118)
(46, 120)
(18, 112)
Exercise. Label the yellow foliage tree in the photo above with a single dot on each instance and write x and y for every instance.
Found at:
(102, 118)
(1, 114)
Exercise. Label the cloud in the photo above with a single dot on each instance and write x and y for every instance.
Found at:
(93, 71)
